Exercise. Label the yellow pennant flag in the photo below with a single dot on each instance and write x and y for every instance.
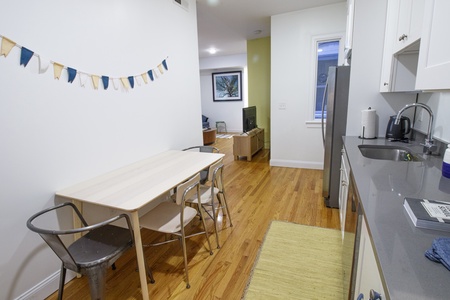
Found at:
(144, 76)
(125, 82)
(7, 45)
(95, 80)
(160, 67)
(57, 69)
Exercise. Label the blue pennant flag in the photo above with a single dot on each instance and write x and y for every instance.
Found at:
(105, 80)
(165, 65)
(150, 74)
(25, 56)
(131, 80)
(72, 73)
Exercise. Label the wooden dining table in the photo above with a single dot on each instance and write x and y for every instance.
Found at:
(133, 186)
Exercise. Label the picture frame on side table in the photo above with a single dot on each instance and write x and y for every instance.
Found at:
(227, 86)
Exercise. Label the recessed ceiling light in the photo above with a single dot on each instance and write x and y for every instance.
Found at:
(212, 50)
(213, 2)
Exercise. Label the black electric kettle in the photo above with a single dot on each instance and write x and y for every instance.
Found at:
(397, 132)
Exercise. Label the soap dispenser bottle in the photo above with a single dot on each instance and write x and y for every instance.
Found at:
(446, 163)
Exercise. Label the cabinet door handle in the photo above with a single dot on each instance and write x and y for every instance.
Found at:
(374, 295)
(402, 37)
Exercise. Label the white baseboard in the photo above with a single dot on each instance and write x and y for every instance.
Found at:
(296, 164)
(46, 287)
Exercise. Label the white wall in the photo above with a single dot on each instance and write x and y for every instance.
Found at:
(228, 111)
(440, 105)
(294, 143)
(55, 134)
(367, 55)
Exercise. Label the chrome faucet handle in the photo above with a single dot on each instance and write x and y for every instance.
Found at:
(428, 146)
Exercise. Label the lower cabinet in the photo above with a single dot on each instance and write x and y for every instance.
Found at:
(368, 283)
(343, 189)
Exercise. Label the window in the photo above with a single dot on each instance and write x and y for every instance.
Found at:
(327, 56)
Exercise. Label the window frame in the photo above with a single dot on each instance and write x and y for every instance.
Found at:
(315, 42)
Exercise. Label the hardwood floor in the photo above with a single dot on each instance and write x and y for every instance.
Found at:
(256, 194)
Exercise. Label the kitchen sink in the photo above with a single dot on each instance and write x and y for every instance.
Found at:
(394, 153)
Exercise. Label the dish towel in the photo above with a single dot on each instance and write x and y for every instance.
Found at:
(440, 251)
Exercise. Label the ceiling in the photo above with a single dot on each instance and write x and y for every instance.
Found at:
(226, 25)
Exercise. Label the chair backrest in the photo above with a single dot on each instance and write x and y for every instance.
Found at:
(206, 149)
(188, 189)
(215, 174)
(53, 237)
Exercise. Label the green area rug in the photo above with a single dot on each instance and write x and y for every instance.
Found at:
(298, 262)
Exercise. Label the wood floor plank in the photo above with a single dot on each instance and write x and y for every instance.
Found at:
(256, 194)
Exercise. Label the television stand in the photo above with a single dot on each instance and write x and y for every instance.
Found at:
(248, 143)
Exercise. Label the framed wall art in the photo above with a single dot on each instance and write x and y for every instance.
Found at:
(227, 86)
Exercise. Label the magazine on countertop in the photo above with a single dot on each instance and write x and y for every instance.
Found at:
(431, 214)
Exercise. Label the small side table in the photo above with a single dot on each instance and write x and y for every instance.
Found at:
(222, 123)
(209, 136)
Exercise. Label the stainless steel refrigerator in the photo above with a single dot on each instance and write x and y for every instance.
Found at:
(335, 105)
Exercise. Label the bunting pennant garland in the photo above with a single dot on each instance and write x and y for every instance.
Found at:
(131, 80)
(138, 80)
(7, 45)
(160, 68)
(105, 80)
(116, 83)
(83, 79)
(144, 76)
(25, 56)
(150, 74)
(95, 80)
(125, 83)
(43, 64)
(57, 70)
(72, 73)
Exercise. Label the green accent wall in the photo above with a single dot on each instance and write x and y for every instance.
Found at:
(258, 64)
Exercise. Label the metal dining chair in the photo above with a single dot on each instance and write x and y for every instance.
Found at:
(93, 253)
(172, 217)
(210, 193)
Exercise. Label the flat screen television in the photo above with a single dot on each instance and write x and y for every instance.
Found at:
(249, 118)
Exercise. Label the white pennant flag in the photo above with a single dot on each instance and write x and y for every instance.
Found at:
(116, 83)
(83, 79)
(138, 80)
(43, 64)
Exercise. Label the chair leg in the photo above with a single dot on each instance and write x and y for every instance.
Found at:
(97, 281)
(62, 279)
(206, 230)
(226, 207)
(183, 245)
(214, 217)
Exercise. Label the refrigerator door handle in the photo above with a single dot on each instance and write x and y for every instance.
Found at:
(323, 110)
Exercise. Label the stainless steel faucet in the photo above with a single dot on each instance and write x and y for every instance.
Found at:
(428, 146)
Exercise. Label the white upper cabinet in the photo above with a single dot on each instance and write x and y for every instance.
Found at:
(401, 45)
(433, 71)
(409, 25)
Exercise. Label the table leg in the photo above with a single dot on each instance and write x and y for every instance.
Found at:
(140, 254)
(77, 222)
